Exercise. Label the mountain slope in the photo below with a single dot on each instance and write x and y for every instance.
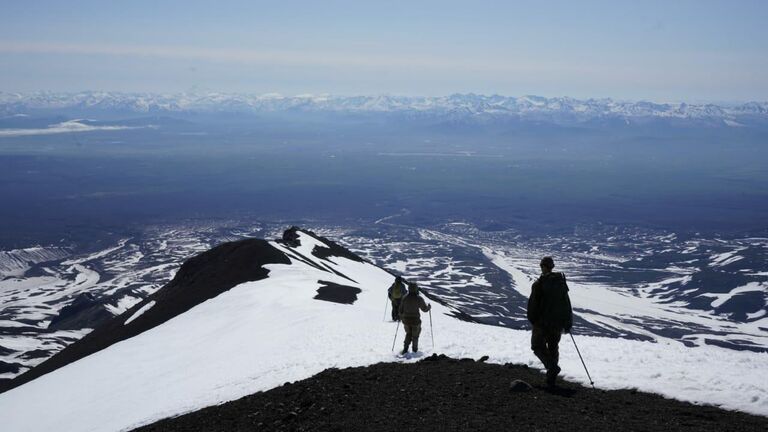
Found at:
(200, 278)
(321, 307)
(448, 394)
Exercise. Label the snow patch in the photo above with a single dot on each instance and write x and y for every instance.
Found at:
(138, 313)
(123, 304)
(720, 299)
(723, 259)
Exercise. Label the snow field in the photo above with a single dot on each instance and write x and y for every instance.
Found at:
(262, 334)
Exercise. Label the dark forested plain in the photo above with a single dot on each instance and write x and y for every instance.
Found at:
(525, 175)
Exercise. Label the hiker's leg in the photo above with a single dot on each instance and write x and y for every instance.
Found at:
(416, 333)
(539, 345)
(553, 342)
(408, 335)
(395, 306)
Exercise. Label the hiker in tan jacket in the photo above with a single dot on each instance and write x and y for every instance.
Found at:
(411, 317)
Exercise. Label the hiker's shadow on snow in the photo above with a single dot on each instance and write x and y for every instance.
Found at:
(412, 355)
(558, 391)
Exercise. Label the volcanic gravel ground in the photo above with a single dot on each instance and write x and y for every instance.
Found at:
(441, 394)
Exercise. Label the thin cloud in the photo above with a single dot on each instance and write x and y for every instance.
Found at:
(648, 73)
(278, 57)
(72, 126)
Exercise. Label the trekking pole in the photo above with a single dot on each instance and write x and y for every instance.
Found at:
(592, 383)
(386, 301)
(395, 339)
(431, 332)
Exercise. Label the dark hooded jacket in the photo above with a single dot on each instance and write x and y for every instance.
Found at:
(410, 306)
(549, 304)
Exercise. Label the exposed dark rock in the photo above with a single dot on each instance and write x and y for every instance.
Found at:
(336, 293)
(6, 367)
(34, 354)
(437, 357)
(84, 312)
(519, 386)
(291, 237)
(422, 397)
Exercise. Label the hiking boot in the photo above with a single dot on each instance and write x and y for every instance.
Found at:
(551, 379)
(552, 376)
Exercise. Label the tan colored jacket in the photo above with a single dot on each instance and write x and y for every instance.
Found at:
(409, 309)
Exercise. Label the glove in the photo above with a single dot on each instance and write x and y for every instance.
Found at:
(567, 328)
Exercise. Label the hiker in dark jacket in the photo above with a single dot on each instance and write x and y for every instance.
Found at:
(396, 292)
(549, 311)
(411, 317)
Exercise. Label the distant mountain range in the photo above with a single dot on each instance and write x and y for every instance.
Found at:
(453, 107)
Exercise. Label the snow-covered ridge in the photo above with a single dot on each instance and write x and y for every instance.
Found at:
(16, 262)
(456, 105)
(262, 333)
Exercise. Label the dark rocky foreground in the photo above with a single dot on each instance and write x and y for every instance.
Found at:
(446, 394)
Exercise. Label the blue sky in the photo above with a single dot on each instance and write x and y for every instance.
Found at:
(666, 50)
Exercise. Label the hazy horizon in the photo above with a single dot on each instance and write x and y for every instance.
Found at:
(277, 94)
(693, 51)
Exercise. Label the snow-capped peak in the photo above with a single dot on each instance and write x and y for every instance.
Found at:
(495, 106)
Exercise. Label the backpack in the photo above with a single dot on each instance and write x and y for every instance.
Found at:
(396, 291)
(551, 304)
